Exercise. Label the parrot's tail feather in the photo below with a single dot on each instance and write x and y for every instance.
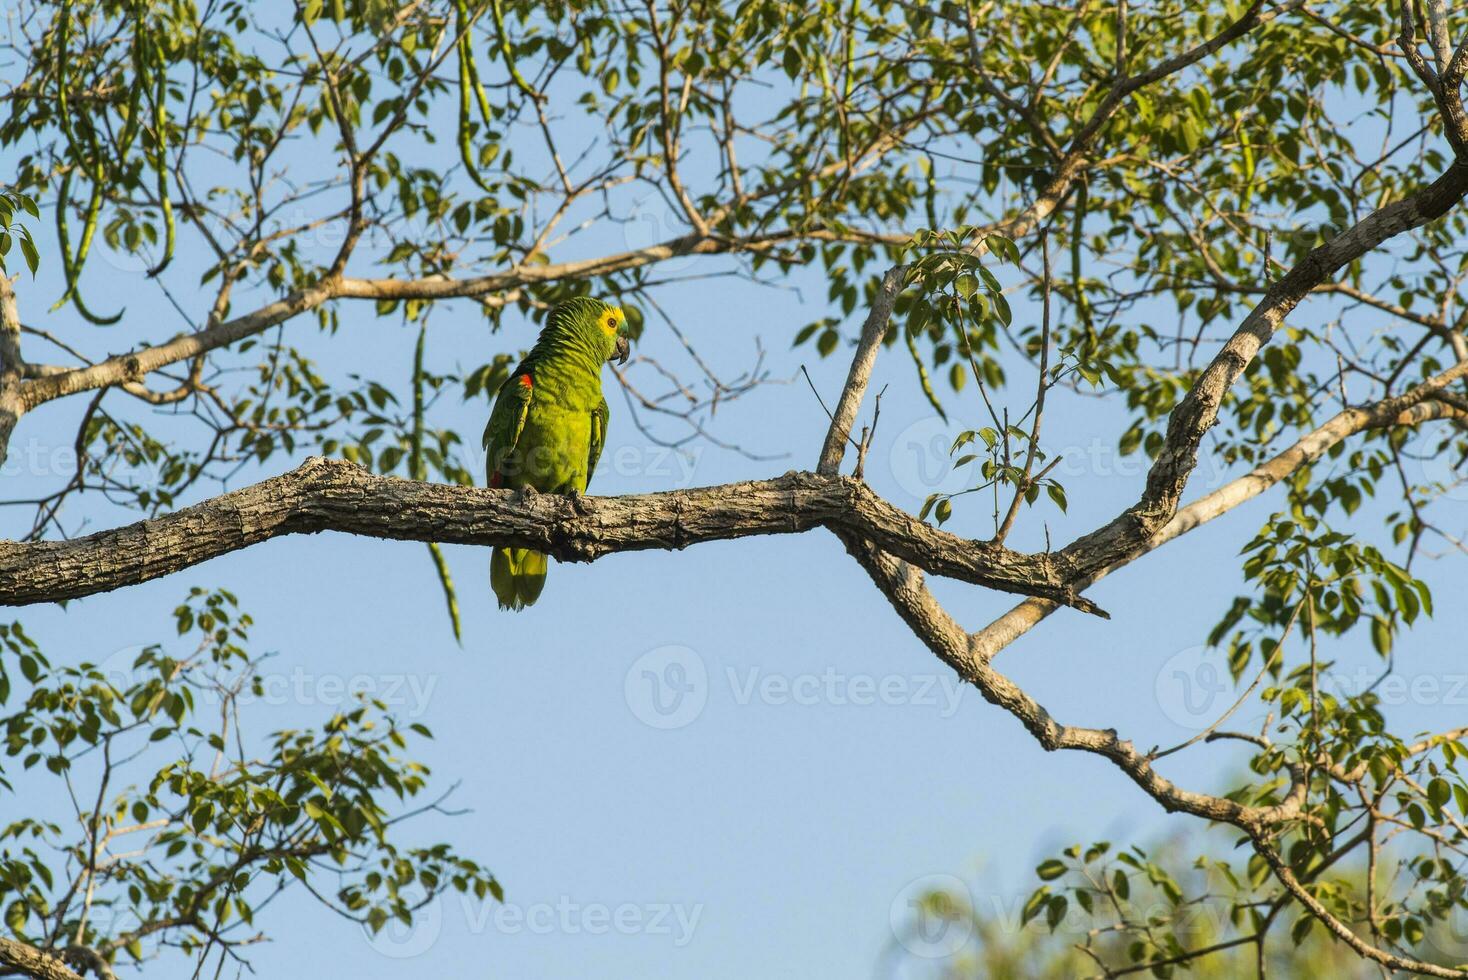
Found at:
(502, 577)
(533, 566)
(517, 576)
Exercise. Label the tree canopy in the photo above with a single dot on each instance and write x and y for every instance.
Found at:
(1241, 221)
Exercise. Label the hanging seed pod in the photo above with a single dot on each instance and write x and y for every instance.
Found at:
(72, 264)
(467, 82)
(159, 159)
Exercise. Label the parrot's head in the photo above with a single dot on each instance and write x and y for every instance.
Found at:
(598, 325)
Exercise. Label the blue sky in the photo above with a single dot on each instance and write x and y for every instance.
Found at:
(821, 762)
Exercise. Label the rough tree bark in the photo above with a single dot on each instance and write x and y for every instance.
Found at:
(324, 494)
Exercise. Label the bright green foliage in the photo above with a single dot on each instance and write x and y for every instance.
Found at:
(953, 292)
(13, 233)
(1135, 909)
(197, 822)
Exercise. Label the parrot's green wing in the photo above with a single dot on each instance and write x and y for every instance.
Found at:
(599, 417)
(507, 421)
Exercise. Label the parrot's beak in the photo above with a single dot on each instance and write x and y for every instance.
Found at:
(623, 349)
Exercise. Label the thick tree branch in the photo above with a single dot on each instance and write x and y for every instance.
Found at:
(332, 495)
(1419, 405)
(1198, 410)
(1338, 928)
(903, 587)
(12, 366)
(902, 584)
(36, 963)
(865, 358)
(132, 367)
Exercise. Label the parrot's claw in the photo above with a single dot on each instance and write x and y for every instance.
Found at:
(578, 502)
(527, 491)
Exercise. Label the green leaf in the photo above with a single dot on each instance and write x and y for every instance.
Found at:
(1439, 792)
(1036, 902)
(32, 256)
(922, 514)
(1001, 307)
(1057, 494)
(1051, 869)
(1381, 635)
(792, 62)
(1055, 911)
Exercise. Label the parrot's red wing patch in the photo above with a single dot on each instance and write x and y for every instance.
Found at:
(526, 382)
(496, 480)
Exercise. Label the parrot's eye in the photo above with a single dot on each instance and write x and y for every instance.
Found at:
(611, 323)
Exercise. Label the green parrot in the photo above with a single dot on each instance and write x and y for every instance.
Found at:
(549, 424)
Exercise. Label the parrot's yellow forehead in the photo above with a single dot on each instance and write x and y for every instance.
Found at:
(612, 319)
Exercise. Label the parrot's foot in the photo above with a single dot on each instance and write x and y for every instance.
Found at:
(527, 491)
(578, 503)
